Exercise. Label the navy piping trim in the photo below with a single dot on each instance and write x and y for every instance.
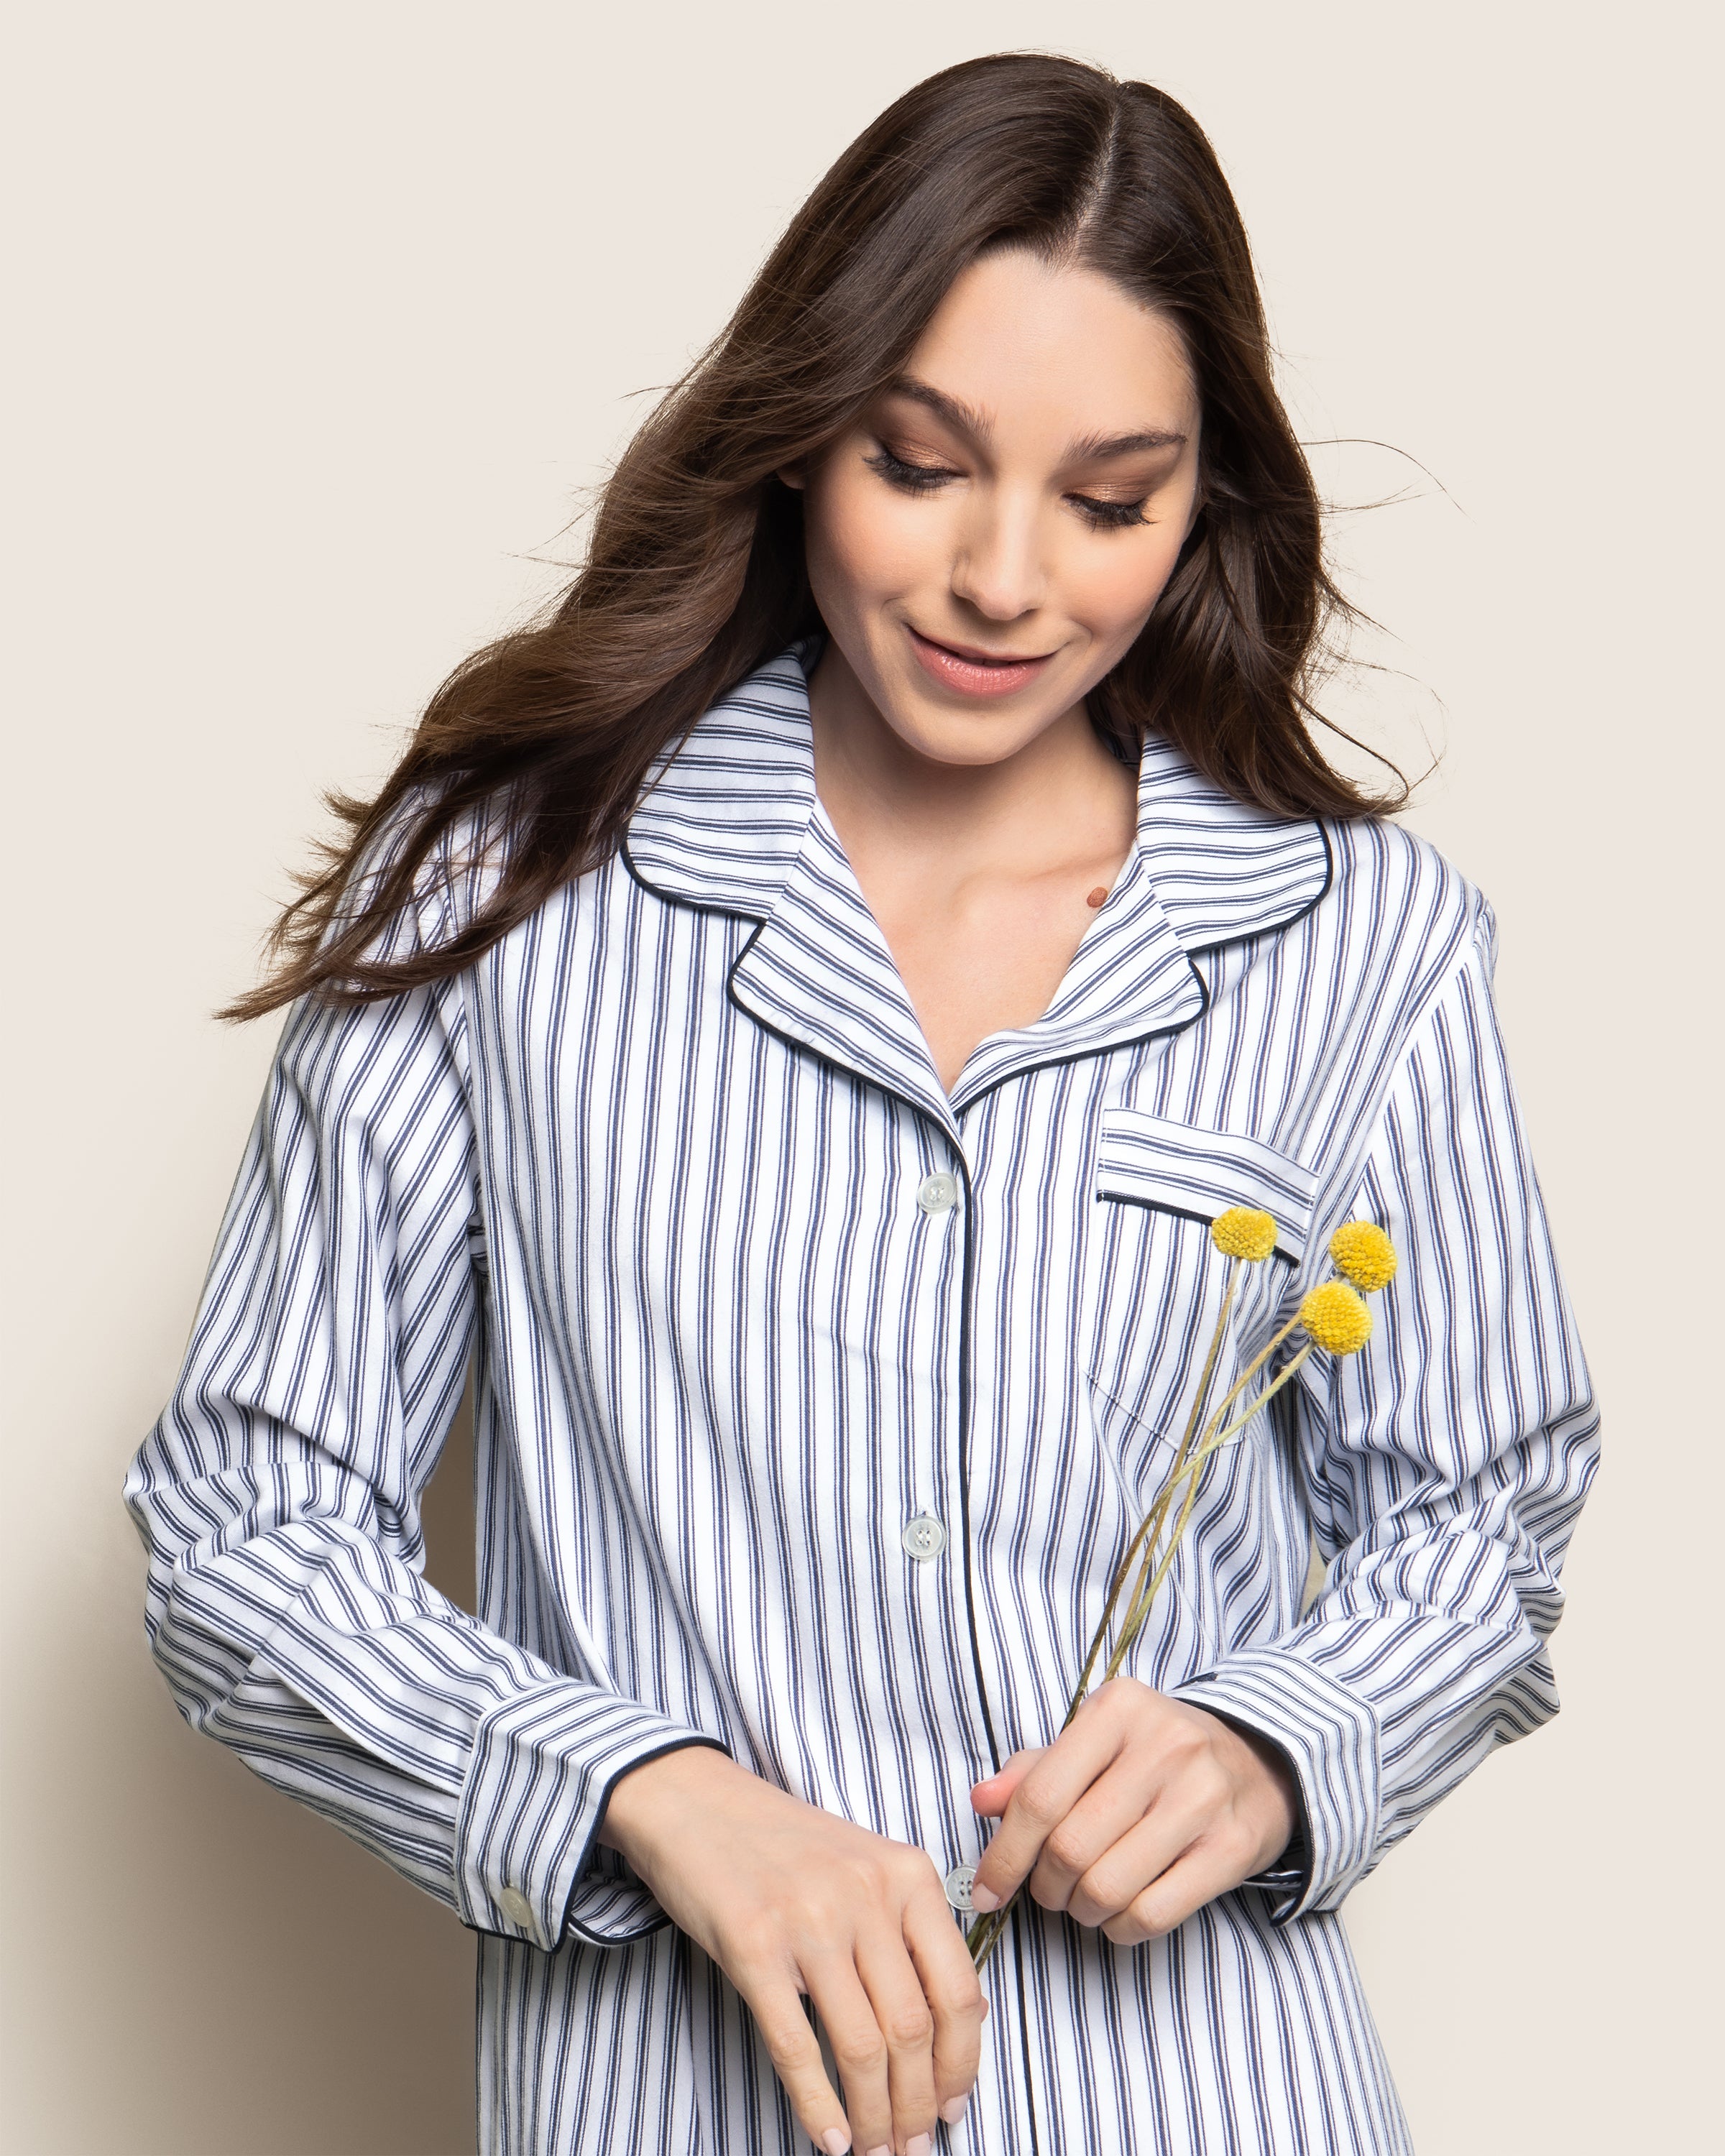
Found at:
(1299, 913)
(966, 1296)
(1017, 1955)
(1180, 1213)
(1105, 1048)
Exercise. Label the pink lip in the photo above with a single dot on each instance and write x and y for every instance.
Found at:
(972, 673)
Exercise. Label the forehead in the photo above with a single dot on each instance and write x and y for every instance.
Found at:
(1039, 348)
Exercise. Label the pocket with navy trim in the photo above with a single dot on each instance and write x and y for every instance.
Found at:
(1160, 1280)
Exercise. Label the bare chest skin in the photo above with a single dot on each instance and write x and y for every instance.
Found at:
(988, 954)
(982, 933)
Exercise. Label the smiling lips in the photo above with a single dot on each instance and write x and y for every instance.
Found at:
(973, 673)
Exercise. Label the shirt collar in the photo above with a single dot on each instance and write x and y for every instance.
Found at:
(727, 814)
(731, 822)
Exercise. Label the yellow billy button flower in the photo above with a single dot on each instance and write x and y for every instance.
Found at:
(1241, 1233)
(1363, 1254)
(1337, 1318)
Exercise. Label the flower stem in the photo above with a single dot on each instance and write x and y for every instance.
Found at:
(984, 1935)
(1187, 1470)
(1139, 1607)
(1151, 1522)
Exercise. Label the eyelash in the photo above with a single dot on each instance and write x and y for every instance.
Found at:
(925, 478)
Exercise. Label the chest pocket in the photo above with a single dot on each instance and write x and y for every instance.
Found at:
(1160, 1280)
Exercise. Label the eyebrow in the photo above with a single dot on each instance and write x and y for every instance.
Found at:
(1095, 447)
(1088, 449)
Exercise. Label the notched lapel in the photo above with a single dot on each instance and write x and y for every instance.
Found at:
(818, 972)
(731, 822)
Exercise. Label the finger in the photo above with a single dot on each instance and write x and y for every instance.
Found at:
(794, 2050)
(853, 2030)
(1118, 1873)
(1163, 1907)
(907, 2021)
(1042, 1799)
(990, 1798)
(954, 1993)
(1110, 1811)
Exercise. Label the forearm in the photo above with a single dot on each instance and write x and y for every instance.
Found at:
(311, 1646)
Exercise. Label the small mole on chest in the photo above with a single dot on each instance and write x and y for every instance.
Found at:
(1097, 896)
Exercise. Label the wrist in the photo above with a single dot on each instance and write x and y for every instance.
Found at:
(1280, 1792)
(657, 1798)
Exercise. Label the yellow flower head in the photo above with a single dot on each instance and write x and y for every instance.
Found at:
(1337, 1318)
(1240, 1233)
(1364, 1254)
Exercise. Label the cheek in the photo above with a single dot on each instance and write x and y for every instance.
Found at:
(866, 545)
(1112, 590)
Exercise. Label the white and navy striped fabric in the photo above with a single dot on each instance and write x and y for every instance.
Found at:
(654, 1164)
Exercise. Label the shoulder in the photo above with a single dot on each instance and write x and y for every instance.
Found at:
(1395, 891)
(453, 876)
(1226, 869)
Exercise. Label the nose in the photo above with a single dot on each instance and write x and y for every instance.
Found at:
(999, 568)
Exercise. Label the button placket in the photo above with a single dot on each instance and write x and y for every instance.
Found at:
(924, 1536)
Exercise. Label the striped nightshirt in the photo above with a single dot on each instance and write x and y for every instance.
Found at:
(814, 1406)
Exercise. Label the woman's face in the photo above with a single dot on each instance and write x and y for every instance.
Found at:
(990, 537)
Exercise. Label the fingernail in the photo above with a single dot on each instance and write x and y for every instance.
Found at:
(953, 2110)
(883, 2150)
(919, 2144)
(981, 1898)
(835, 2141)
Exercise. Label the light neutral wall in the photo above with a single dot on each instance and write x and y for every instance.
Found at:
(321, 316)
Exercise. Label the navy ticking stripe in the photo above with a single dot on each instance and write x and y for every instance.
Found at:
(650, 1167)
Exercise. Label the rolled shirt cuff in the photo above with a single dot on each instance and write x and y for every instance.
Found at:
(1330, 1737)
(543, 1768)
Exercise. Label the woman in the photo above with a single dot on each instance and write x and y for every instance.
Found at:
(791, 1018)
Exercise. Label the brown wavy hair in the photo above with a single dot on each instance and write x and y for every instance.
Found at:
(695, 573)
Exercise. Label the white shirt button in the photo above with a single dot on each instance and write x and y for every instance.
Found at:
(924, 1537)
(937, 1192)
(957, 1883)
(515, 1906)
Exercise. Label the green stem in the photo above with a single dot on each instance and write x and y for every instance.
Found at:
(1251, 1370)
(985, 1934)
(1158, 1511)
(1139, 1607)
(1183, 1465)
(1215, 1444)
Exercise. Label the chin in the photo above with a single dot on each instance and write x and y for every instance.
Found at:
(946, 736)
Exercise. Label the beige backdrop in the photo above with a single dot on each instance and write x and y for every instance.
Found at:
(320, 316)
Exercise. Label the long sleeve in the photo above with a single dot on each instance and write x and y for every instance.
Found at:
(278, 1498)
(1444, 1468)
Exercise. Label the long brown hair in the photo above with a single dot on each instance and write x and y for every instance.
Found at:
(695, 573)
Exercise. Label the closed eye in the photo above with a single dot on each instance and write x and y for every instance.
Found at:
(912, 478)
(1110, 515)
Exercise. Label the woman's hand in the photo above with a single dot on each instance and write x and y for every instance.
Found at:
(1140, 1812)
(791, 1902)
